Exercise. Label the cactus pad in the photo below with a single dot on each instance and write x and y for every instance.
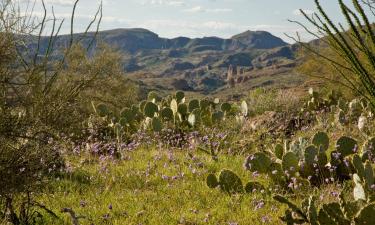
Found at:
(230, 182)
(212, 181)
(346, 146)
(321, 140)
(259, 162)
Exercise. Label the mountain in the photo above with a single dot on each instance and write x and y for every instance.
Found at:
(259, 40)
(192, 64)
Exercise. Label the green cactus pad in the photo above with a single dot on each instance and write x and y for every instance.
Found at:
(322, 159)
(346, 146)
(217, 116)
(311, 155)
(157, 125)
(321, 140)
(226, 107)
(251, 187)
(206, 118)
(342, 105)
(331, 214)
(212, 181)
(102, 110)
(230, 182)
(180, 96)
(193, 104)
(358, 166)
(167, 114)
(368, 149)
(276, 173)
(340, 117)
(123, 122)
(150, 109)
(369, 174)
(366, 215)
(279, 151)
(182, 109)
(152, 96)
(259, 162)
(128, 114)
(290, 162)
(204, 104)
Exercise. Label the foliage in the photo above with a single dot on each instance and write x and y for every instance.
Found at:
(353, 48)
(172, 112)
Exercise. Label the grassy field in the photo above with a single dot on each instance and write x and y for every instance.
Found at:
(156, 186)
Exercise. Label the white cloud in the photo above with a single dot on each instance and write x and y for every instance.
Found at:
(198, 9)
(297, 12)
(164, 2)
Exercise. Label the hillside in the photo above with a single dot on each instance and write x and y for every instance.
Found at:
(198, 65)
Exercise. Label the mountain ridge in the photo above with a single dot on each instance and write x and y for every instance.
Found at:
(193, 64)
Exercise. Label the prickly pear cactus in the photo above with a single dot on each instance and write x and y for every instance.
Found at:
(244, 108)
(340, 117)
(331, 214)
(290, 163)
(259, 162)
(192, 119)
(279, 151)
(358, 191)
(150, 109)
(230, 182)
(174, 106)
(369, 175)
(167, 114)
(193, 104)
(157, 125)
(251, 187)
(152, 96)
(355, 109)
(311, 155)
(276, 174)
(182, 109)
(346, 146)
(366, 215)
(225, 107)
(102, 110)
(217, 116)
(180, 96)
(358, 166)
(368, 150)
(321, 140)
(212, 181)
(204, 104)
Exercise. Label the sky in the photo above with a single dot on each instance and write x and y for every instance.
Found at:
(192, 18)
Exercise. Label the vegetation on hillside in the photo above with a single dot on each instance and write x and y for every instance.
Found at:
(80, 144)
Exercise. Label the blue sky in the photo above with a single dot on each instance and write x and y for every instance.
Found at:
(194, 18)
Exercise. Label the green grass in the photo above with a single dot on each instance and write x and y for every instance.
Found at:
(139, 195)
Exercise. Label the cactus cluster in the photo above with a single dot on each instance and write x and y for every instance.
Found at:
(313, 162)
(173, 111)
(318, 103)
(230, 183)
(335, 213)
(356, 111)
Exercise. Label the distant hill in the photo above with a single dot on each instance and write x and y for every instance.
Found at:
(194, 64)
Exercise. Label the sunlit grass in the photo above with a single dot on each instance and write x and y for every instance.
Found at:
(156, 186)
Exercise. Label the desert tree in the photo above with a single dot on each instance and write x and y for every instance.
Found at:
(353, 44)
(33, 100)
